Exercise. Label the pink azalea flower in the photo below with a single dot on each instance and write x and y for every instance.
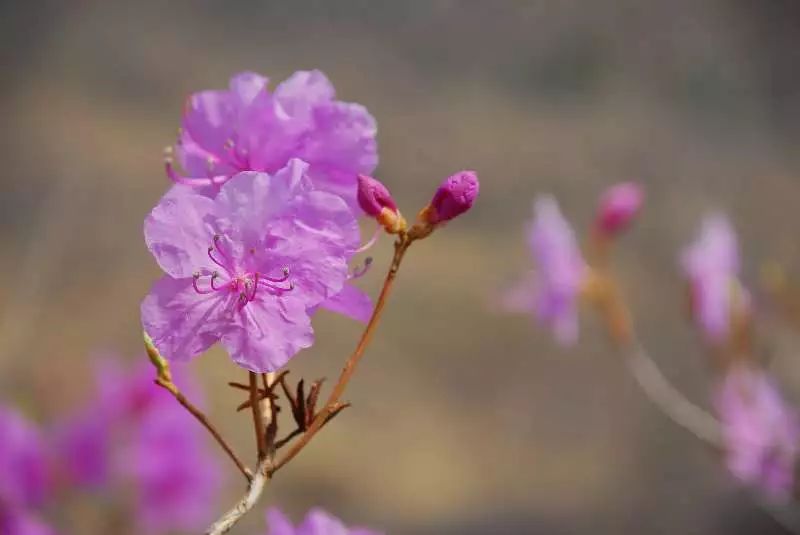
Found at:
(619, 206)
(454, 196)
(317, 522)
(551, 292)
(249, 266)
(760, 431)
(248, 128)
(711, 264)
(20, 522)
(24, 476)
(134, 439)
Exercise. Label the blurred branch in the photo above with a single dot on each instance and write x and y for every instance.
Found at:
(669, 400)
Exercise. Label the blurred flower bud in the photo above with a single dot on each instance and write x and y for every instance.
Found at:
(619, 205)
(454, 197)
(376, 201)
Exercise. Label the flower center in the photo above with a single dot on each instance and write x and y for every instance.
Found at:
(229, 279)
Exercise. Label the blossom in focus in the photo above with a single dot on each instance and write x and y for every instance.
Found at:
(133, 439)
(760, 431)
(711, 265)
(248, 128)
(24, 477)
(551, 292)
(454, 196)
(249, 266)
(619, 205)
(316, 522)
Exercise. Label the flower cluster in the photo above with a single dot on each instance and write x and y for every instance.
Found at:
(132, 435)
(249, 128)
(258, 233)
(26, 482)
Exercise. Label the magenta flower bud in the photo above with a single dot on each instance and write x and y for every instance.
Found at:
(619, 205)
(454, 197)
(373, 196)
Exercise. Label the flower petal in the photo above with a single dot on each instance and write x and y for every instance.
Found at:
(267, 332)
(352, 302)
(278, 523)
(179, 231)
(181, 322)
(210, 118)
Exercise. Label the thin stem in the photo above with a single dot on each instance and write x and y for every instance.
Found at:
(670, 400)
(245, 504)
(401, 246)
(258, 420)
(164, 380)
(198, 414)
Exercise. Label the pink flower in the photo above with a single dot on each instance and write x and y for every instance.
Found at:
(711, 264)
(24, 476)
(760, 431)
(619, 206)
(248, 267)
(249, 128)
(317, 522)
(20, 522)
(454, 196)
(376, 201)
(552, 291)
(133, 439)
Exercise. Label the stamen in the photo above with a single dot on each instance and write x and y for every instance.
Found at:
(195, 278)
(284, 278)
(274, 287)
(214, 277)
(361, 270)
(217, 240)
(178, 178)
(254, 283)
(217, 262)
(371, 241)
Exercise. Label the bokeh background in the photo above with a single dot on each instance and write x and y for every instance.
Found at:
(465, 420)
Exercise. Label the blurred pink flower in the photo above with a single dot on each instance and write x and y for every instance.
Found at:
(760, 431)
(248, 128)
(21, 522)
(133, 438)
(249, 266)
(711, 264)
(552, 291)
(619, 206)
(24, 476)
(455, 195)
(316, 522)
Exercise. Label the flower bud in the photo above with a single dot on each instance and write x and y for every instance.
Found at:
(376, 201)
(454, 197)
(619, 205)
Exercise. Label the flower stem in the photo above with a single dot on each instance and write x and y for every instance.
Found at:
(245, 504)
(164, 380)
(200, 417)
(400, 248)
(258, 420)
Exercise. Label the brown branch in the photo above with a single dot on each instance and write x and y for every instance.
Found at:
(164, 380)
(258, 419)
(331, 406)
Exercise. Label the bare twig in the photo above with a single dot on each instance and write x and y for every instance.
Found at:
(670, 400)
(164, 380)
(258, 419)
(245, 504)
(331, 405)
